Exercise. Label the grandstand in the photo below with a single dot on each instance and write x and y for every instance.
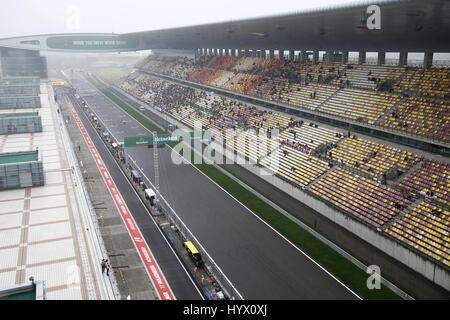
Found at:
(421, 116)
(432, 176)
(433, 82)
(373, 158)
(359, 105)
(310, 135)
(294, 165)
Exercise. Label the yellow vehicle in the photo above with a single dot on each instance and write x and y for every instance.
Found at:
(193, 253)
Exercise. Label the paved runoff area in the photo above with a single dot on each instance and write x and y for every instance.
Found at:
(46, 232)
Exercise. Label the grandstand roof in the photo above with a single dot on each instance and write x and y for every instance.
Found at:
(406, 25)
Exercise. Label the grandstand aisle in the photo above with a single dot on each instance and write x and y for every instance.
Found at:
(257, 260)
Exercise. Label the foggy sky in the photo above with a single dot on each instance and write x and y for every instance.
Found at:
(31, 17)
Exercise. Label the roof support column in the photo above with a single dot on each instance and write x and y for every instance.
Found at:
(271, 54)
(254, 53)
(344, 57)
(263, 53)
(403, 59)
(362, 57)
(428, 60)
(281, 54)
(302, 56)
(315, 56)
(233, 52)
(291, 55)
(328, 56)
(381, 59)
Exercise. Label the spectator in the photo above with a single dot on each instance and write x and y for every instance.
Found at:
(103, 264)
(107, 267)
(435, 212)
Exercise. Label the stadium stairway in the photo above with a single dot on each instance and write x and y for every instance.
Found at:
(396, 182)
(400, 77)
(268, 154)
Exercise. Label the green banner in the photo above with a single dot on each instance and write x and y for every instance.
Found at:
(163, 138)
(94, 42)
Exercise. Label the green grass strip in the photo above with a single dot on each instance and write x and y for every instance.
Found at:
(333, 262)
